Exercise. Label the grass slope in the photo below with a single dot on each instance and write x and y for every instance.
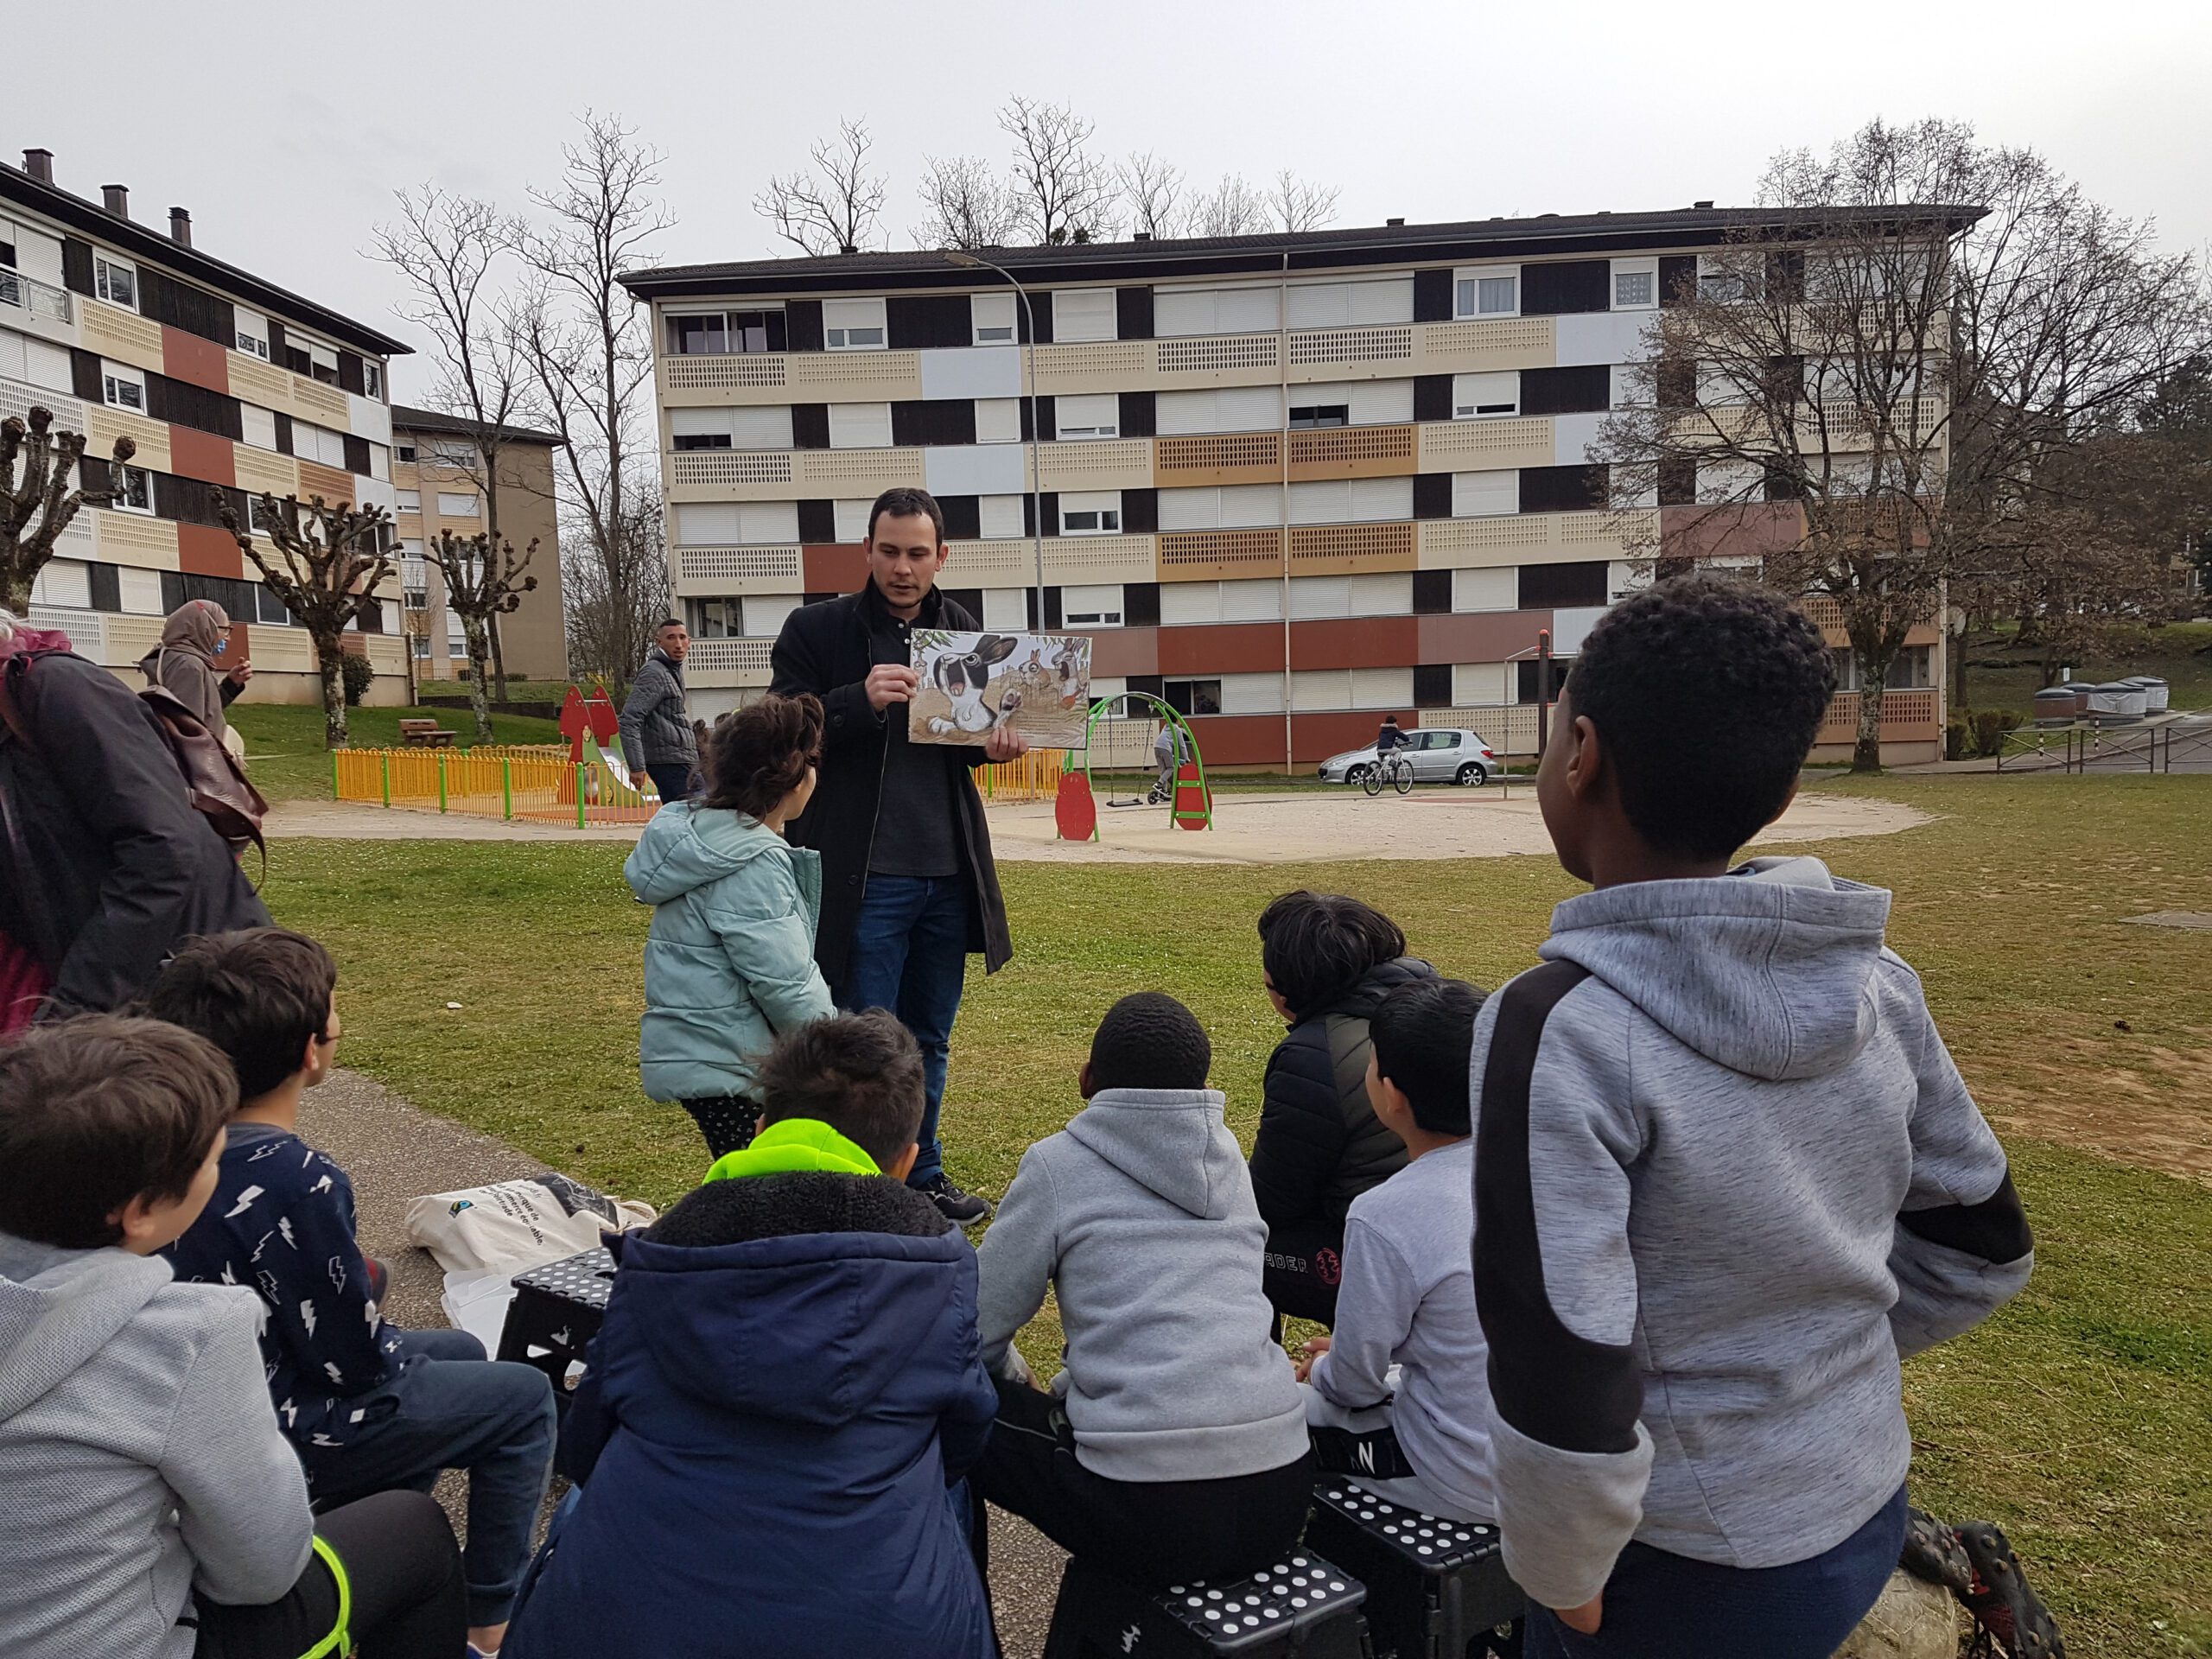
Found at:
(285, 750)
(2077, 1418)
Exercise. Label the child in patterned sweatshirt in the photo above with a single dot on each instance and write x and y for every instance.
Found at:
(369, 1408)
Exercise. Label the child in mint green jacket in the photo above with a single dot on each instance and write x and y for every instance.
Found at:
(730, 963)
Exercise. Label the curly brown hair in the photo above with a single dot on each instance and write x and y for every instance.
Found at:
(758, 755)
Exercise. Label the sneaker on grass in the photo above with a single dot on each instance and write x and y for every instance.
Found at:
(953, 1203)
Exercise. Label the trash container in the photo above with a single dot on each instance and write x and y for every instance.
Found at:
(2116, 701)
(2155, 692)
(2080, 688)
(2055, 706)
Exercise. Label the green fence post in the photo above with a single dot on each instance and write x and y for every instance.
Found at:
(506, 790)
(441, 780)
(580, 798)
(385, 756)
(334, 776)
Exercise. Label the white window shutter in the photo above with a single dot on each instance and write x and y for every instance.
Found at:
(762, 426)
(1084, 314)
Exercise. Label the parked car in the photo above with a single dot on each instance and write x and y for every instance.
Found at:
(1438, 754)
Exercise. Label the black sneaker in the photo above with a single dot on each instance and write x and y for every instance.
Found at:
(953, 1205)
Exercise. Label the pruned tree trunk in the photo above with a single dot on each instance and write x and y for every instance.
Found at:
(478, 637)
(498, 661)
(330, 665)
(1867, 749)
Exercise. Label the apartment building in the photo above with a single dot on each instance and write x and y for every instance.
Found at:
(440, 474)
(229, 385)
(1289, 483)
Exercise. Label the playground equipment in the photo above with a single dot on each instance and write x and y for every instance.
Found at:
(1117, 739)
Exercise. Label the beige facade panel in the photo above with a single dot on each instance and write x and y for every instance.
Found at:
(1110, 464)
(124, 335)
(1100, 558)
(283, 650)
(1335, 348)
(104, 426)
(136, 538)
(1483, 445)
(694, 380)
(260, 471)
(130, 638)
(1102, 366)
(18, 398)
(855, 472)
(1502, 343)
(253, 381)
(1534, 538)
(1218, 359)
(1349, 550)
(710, 571)
(1220, 555)
(990, 564)
(727, 663)
(324, 405)
(332, 485)
(1229, 458)
(1350, 452)
(705, 475)
(855, 377)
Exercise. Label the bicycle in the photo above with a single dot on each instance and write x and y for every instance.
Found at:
(1393, 769)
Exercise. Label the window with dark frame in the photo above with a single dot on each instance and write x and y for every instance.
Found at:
(1188, 697)
(1574, 586)
(1320, 414)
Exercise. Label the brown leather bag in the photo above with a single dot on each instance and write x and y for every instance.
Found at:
(213, 781)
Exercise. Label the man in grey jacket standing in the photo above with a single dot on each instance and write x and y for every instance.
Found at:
(657, 741)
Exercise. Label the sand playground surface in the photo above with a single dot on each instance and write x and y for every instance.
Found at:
(1304, 827)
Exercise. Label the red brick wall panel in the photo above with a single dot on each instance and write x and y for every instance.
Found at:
(187, 357)
(1239, 740)
(1120, 652)
(204, 550)
(1314, 738)
(833, 568)
(1479, 636)
(202, 455)
(1224, 648)
(1354, 642)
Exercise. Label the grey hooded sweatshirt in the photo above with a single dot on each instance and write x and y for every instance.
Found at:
(140, 1459)
(1140, 1214)
(1726, 1176)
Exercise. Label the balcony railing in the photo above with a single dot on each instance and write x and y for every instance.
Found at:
(27, 294)
(730, 662)
(1904, 715)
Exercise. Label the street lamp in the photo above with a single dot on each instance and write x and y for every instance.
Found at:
(976, 262)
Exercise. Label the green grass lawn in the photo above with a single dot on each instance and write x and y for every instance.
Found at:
(2078, 1418)
(287, 759)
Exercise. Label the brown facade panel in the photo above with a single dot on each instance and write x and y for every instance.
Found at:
(1236, 458)
(1224, 648)
(1749, 530)
(1354, 642)
(187, 357)
(1239, 740)
(833, 568)
(1351, 452)
(332, 485)
(1316, 737)
(204, 550)
(1118, 654)
(1351, 549)
(1478, 636)
(1220, 555)
(202, 455)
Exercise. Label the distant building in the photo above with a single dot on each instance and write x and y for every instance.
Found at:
(438, 474)
(227, 383)
(1289, 483)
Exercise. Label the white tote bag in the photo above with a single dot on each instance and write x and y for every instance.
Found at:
(510, 1225)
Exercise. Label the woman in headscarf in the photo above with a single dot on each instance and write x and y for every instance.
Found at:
(196, 634)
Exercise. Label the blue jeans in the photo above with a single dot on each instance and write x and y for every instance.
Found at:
(674, 782)
(1663, 1606)
(456, 1410)
(910, 955)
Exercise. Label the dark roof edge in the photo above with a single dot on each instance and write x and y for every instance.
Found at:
(404, 419)
(158, 248)
(1354, 246)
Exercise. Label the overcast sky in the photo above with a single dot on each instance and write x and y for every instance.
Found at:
(285, 129)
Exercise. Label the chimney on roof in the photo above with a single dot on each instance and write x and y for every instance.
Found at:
(1392, 224)
(38, 163)
(1141, 236)
(116, 197)
(1701, 204)
(179, 227)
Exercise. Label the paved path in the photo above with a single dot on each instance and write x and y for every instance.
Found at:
(1306, 827)
(395, 1152)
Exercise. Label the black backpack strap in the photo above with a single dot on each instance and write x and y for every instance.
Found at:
(1550, 1384)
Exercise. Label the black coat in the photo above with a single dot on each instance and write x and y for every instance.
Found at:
(827, 648)
(1320, 1144)
(106, 864)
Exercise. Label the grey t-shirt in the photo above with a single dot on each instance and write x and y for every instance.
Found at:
(915, 831)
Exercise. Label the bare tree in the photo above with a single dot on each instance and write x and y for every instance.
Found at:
(329, 561)
(34, 514)
(1868, 390)
(833, 209)
(1151, 189)
(447, 247)
(611, 618)
(1230, 208)
(587, 346)
(1300, 206)
(965, 204)
(484, 581)
(1061, 192)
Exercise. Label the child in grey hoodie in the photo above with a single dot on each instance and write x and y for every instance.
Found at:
(1173, 1444)
(154, 1509)
(1726, 1173)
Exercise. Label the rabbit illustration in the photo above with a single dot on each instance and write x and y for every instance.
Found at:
(1009, 705)
(963, 679)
